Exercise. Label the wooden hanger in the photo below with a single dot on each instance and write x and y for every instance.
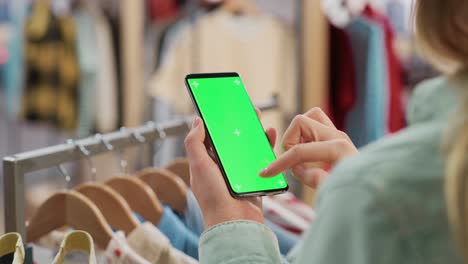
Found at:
(181, 168)
(241, 7)
(112, 205)
(168, 186)
(139, 196)
(69, 209)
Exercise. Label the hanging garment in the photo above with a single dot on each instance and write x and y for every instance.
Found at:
(399, 14)
(107, 108)
(13, 80)
(396, 115)
(47, 255)
(259, 48)
(162, 10)
(193, 218)
(98, 87)
(144, 244)
(284, 10)
(284, 218)
(46, 248)
(174, 229)
(119, 251)
(178, 234)
(5, 36)
(169, 36)
(342, 77)
(295, 205)
(113, 24)
(88, 62)
(286, 239)
(11, 249)
(151, 244)
(163, 111)
(4, 12)
(52, 73)
(52, 240)
(367, 121)
(76, 241)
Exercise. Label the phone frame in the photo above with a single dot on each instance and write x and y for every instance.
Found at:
(210, 141)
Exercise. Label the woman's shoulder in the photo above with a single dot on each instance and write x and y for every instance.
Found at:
(402, 175)
(428, 113)
(395, 188)
(410, 156)
(432, 99)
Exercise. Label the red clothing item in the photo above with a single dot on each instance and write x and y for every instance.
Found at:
(343, 87)
(162, 10)
(396, 117)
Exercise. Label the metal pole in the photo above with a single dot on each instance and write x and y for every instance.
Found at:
(13, 191)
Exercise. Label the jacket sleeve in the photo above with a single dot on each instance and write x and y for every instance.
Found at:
(239, 242)
(352, 226)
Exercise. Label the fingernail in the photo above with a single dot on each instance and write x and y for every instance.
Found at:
(196, 122)
(264, 172)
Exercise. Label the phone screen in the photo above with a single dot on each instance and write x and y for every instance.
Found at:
(236, 133)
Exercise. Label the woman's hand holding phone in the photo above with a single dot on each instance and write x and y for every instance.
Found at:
(209, 186)
(311, 137)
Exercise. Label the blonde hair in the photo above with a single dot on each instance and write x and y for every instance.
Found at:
(442, 35)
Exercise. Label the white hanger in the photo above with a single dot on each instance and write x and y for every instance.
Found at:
(341, 12)
(356, 7)
(336, 12)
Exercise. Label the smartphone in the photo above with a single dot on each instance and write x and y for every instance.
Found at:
(235, 133)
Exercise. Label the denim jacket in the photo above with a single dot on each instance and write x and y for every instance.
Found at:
(385, 205)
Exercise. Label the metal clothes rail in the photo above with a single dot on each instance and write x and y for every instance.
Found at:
(16, 166)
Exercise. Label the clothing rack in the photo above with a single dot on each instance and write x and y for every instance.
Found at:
(16, 166)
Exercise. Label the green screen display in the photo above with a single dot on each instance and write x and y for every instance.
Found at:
(236, 132)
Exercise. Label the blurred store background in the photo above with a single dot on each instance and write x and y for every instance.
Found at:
(71, 69)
